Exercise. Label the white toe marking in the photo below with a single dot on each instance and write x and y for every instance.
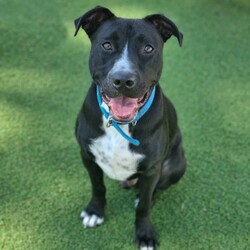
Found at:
(146, 248)
(83, 214)
(99, 221)
(86, 221)
(137, 200)
(90, 220)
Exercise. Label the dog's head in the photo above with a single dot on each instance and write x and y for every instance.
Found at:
(126, 57)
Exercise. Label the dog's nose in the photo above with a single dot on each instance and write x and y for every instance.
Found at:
(122, 80)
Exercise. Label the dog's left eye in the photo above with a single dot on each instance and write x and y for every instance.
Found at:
(107, 46)
(148, 49)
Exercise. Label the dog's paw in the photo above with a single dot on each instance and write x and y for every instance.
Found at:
(145, 238)
(147, 247)
(137, 200)
(147, 243)
(90, 220)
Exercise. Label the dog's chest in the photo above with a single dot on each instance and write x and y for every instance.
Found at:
(113, 155)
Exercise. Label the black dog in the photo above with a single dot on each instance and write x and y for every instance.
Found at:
(127, 128)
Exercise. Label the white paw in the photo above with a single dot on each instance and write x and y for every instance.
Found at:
(90, 220)
(146, 248)
(137, 200)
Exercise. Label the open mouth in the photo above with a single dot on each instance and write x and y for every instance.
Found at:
(123, 108)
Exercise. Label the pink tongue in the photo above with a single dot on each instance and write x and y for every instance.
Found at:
(123, 107)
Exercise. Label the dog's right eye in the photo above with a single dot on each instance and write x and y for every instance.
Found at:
(107, 46)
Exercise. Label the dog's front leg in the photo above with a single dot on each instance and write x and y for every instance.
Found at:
(145, 236)
(93, 214)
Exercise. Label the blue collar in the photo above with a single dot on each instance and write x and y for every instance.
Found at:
(116, 124)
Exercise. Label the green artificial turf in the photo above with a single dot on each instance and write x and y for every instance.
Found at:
(43, 79)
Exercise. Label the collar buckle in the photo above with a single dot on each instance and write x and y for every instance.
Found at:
(109, 122)
(134, 122)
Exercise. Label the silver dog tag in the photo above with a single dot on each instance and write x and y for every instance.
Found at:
(134, 123)
(109, 122)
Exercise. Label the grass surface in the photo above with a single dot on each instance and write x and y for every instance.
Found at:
(43, 79)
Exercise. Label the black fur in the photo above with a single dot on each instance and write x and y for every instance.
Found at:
(158, 132)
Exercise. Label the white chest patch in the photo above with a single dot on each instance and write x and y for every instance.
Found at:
(113, 155)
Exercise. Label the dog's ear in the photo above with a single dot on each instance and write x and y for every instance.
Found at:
(165, 26)
(92, 20)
